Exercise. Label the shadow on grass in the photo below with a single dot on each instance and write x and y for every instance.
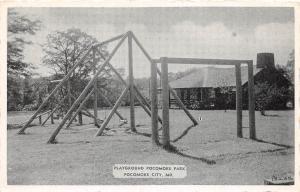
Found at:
(273, 143)
(174, 140)
(68, 143)
(18, 126)
(173, 149)
(143, 134)
(138, 133)
(270, 115)
(183, 133)
(207, 161)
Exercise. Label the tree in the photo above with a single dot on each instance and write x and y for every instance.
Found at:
(290, 67)
(28, 91)
(288, 72)
(35, 92)
(14, 94)
(63, 50)
(17, 27)
(267, 95)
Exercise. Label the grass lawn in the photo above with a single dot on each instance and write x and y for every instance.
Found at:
(211, 151)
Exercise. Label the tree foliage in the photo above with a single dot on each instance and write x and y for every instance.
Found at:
(267, 95)
(35, 90)
(64, 49)
(288, 70)
(14, 93)
(290, 67)
(274, 96)
(18, 26)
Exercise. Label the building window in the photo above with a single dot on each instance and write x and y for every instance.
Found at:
(184, 94)
(194, 94)
(211, 93)
(200, 95)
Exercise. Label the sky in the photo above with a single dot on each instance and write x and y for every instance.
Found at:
(200, 32)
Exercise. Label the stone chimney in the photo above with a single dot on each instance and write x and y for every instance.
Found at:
(265, 61)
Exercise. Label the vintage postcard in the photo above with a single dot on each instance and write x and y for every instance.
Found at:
(152, 96)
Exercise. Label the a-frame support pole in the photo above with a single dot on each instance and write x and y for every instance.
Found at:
(52, 119)
(80, 118)
(182, 106)
(238, 99)
(139, 96)
(69, 91)
(110, 104)
(21, 131)
(80, 108)
(95, 89)
(52, 93)
(143, 102)
(165, 105)
(40, 119)
(84, 92)
(131, 83)
(117, 104)
(251, 101)
(154, 109)
(86, 112)
(53, 111)
(171, 89)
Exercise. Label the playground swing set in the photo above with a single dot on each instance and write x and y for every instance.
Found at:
(77, 108)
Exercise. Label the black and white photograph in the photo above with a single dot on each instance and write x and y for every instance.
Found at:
(161, 95)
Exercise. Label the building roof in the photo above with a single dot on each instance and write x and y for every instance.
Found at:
(212, 77)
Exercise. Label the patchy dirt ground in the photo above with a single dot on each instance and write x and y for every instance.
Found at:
(210, 151)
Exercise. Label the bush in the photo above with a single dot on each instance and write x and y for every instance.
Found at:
(31, 107)
(267, 97)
